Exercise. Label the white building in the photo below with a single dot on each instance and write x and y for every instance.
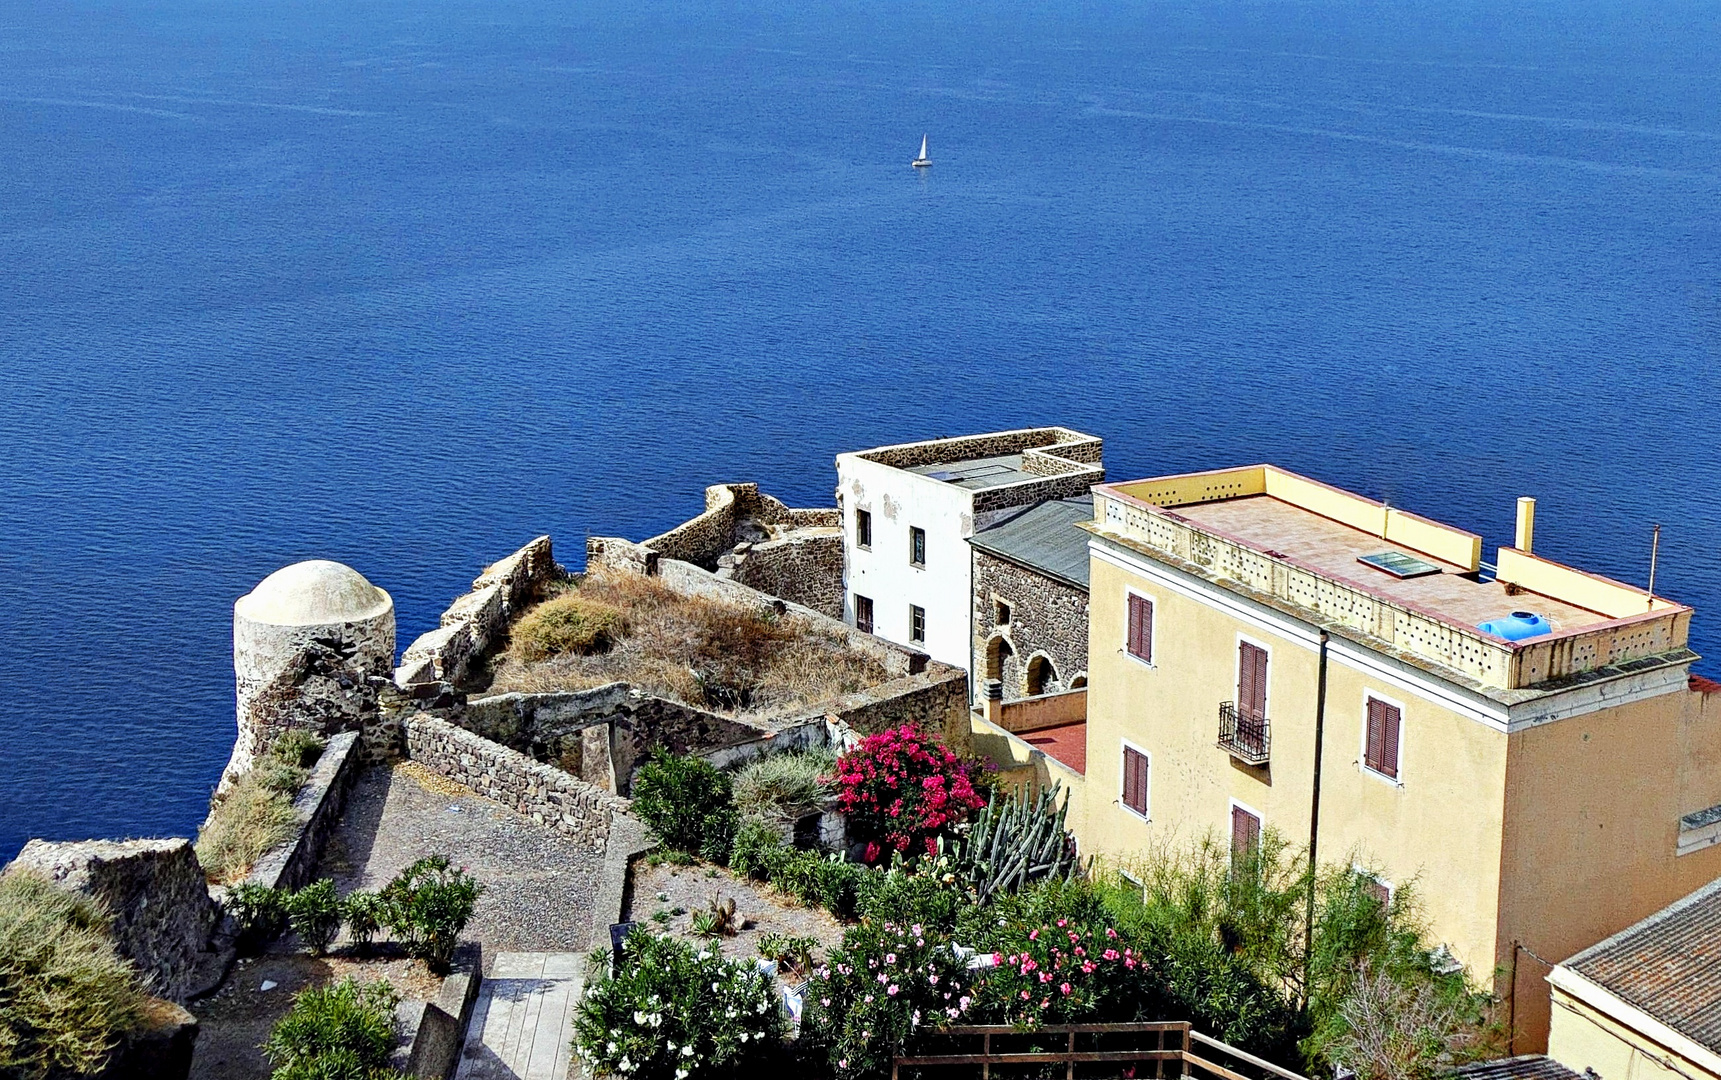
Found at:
(908, 511)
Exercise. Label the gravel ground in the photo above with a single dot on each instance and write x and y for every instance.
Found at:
(692, 888)
(539, 887)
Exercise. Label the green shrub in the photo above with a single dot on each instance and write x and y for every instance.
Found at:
(260, 913)
(887, 981)
(364, 913)
(670, 1013)
(901, 896)
(782, 788)
(571, 624)
(687, 804)
(339, 1032)
(754, 844)
(300, 748)
(315, 913)
(428, 905)
(66, 995)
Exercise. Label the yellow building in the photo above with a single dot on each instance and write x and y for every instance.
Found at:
(1268, 652)
(1645, 1004)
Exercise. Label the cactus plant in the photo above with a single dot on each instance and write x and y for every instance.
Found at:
(1016, 840)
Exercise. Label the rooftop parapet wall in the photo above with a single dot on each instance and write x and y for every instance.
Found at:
(703, 539)
(1124, 515)
(1062, 463)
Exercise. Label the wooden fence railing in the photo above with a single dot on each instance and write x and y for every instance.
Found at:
(1169, 1049)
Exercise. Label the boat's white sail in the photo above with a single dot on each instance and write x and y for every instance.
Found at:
(922, 149)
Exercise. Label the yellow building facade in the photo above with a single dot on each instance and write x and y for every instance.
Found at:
(1539, 791)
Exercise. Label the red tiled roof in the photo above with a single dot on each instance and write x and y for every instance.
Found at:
(1066, 742)
(1705, 686)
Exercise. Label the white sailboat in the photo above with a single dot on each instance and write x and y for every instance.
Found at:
(922, 161)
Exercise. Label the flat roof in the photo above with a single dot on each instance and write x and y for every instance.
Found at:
(1044, 537)
(1453, 594)
(978, 473)
(1668, 965)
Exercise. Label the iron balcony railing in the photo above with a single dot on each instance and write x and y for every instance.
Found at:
(1244, 737)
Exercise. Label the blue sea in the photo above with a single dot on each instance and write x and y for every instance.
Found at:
(404, 283)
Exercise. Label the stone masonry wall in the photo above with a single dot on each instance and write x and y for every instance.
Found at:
(805, 569)
(475, 620)
(730, 509)
(1047, 617)
(545, 794)
(156, 894)
(317, 810)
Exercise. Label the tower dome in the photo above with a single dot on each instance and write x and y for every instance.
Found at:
(316, 592)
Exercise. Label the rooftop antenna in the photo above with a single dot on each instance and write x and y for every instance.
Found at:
(1654, 550)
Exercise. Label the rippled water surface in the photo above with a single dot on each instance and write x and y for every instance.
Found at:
(405, 284)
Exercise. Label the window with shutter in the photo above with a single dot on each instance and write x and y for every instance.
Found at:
(1245, 832)
(863, 614)
(1135, 780)
(1380, 890)
(1251, 681)
(1380, 749)
(1141, 628)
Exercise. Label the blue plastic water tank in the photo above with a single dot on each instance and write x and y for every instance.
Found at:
(1518, 626)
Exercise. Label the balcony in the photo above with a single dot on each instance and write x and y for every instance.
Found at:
(1244, 737)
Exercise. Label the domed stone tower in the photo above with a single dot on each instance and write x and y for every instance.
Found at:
(303, 640)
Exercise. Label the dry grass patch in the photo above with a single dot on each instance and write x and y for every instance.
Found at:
(256, 813)
(699, 651)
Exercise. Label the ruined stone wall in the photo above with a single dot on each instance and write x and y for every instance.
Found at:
(317, 811)
(547, 795)
(156, 894)
(1047, 617)
(322, 691)
(474, 622)
(936, 700)
(601, 735)
(802, 569)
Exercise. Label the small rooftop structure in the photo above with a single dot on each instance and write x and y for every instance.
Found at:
(1660, 977)
(313, 593)
(1003, 468)
(1045, 538)
(1403, 583)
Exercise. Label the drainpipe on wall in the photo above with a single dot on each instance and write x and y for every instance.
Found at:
(1314, 822)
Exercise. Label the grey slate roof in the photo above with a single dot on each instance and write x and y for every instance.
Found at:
(1668, 965)
(1045, 538)
(1523, 1067)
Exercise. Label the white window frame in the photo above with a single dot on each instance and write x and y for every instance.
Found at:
(1152, 626)
(1146, 814)
(924, 553)
(921, 640)
(1362, 744)
(1239, 804)
(1266, 691)
(859, 510)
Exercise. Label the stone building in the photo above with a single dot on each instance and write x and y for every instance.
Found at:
(304, 642)
(908, 511)
(1030, 614)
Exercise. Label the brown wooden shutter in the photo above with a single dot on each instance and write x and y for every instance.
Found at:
(1245, 831)
(1135, 780)
(1389, 741)
(1141, 627)
(1251, 681)
(1376, 734)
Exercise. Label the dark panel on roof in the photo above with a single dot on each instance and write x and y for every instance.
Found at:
(1045, 538)
(1668, 965)
(1523, 1067)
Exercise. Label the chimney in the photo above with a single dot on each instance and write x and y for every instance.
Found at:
(994, 701)
(1526, 524)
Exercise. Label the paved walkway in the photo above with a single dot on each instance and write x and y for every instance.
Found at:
(523, 1022)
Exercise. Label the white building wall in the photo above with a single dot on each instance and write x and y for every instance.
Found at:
(899, 500)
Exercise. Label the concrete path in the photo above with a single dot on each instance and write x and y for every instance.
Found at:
(523, 1021)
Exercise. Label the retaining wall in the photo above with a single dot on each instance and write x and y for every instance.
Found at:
(544, 793)
(317, 809)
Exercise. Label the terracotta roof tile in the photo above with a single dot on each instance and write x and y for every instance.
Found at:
(1668, 965)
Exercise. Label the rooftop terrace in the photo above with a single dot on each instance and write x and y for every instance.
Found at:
(1002, 468)
(1300, 544)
